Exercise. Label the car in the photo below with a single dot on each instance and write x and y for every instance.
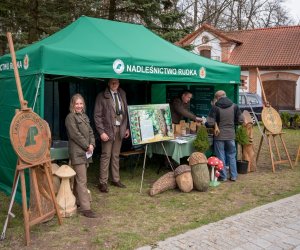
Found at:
(251, 102)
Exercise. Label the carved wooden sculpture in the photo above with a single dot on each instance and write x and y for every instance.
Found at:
(248, 149)
(65, 198)
(248, 152)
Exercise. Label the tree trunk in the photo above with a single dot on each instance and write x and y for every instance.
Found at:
(112, 10)
(33, 23)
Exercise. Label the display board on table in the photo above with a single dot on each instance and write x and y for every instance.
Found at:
(150, 123)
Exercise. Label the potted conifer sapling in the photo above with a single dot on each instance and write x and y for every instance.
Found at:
(242, 139)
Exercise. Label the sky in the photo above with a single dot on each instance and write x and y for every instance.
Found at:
(293, 6)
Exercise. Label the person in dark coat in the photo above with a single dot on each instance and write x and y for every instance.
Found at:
(226, 115)
(180, 108)
(111, 122)
(81, 147)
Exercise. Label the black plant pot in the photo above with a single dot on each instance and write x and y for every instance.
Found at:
(242, 166)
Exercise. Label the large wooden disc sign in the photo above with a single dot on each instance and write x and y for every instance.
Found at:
(30, 138)
(271, 120)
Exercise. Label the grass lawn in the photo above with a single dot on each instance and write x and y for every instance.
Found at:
(129, 219)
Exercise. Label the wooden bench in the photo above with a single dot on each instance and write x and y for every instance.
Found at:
(132, 155)
(132, 152)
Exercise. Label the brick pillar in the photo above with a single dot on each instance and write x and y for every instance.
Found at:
(252, 80)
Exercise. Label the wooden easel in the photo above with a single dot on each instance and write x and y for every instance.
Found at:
(30, 137)
(42, 214)
(272, 130)
(272, 137)
(297, 156)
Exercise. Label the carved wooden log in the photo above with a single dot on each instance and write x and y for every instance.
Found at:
(248, 153)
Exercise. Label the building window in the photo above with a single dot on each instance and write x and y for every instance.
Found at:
(205, 53)
(205, 39)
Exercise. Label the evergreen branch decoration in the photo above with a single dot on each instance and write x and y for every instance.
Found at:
(241, 136)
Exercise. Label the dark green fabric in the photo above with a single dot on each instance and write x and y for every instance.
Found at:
(9, 102)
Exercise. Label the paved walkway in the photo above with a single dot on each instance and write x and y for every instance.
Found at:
(272, 226)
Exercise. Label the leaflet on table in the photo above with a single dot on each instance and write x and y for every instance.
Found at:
(179, 141)
(188, 135)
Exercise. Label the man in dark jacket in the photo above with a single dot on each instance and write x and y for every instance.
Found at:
(226, 115)
(111, 122)
(180, 108)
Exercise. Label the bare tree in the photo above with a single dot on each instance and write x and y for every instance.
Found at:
(235, 14)
(274, 15)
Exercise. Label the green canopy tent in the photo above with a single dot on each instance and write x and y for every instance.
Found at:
(96, 48)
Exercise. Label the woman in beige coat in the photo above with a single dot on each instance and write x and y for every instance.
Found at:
(81, 147)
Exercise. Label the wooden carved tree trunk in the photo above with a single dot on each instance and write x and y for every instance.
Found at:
(248, 153)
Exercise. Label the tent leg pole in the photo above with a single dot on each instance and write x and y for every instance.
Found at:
(9, 213)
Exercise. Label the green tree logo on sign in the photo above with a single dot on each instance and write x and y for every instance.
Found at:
(32, 132)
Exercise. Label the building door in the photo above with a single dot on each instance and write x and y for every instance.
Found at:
(280, 94)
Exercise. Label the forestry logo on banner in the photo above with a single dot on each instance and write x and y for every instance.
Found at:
(118, 66)
(26, 62)
(202, 72)
(21, 64)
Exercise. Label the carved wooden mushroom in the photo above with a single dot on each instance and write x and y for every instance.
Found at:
(184, 178)
(65, 198)
(200, 173)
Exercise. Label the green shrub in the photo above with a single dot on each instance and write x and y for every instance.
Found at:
(285, 118)
(296, 120)
(201, 142)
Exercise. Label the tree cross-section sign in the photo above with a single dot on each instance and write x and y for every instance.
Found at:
(30, 137)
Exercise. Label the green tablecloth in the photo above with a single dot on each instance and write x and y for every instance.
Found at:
(59, 153)
(174, 149)
(59, 150)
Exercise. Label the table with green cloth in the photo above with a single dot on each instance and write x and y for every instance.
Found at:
(174, 148)
(59, 150)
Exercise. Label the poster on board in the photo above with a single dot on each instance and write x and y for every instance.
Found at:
(150, 123)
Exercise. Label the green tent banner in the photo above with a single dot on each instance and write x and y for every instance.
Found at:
(98, 48)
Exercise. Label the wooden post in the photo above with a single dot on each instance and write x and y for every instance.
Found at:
(262, 88)
(297, 156)
(23, 103)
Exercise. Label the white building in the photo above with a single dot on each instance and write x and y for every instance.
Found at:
(274, 51)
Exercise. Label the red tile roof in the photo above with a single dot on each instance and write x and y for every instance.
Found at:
(271, 47)
(265, 47)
